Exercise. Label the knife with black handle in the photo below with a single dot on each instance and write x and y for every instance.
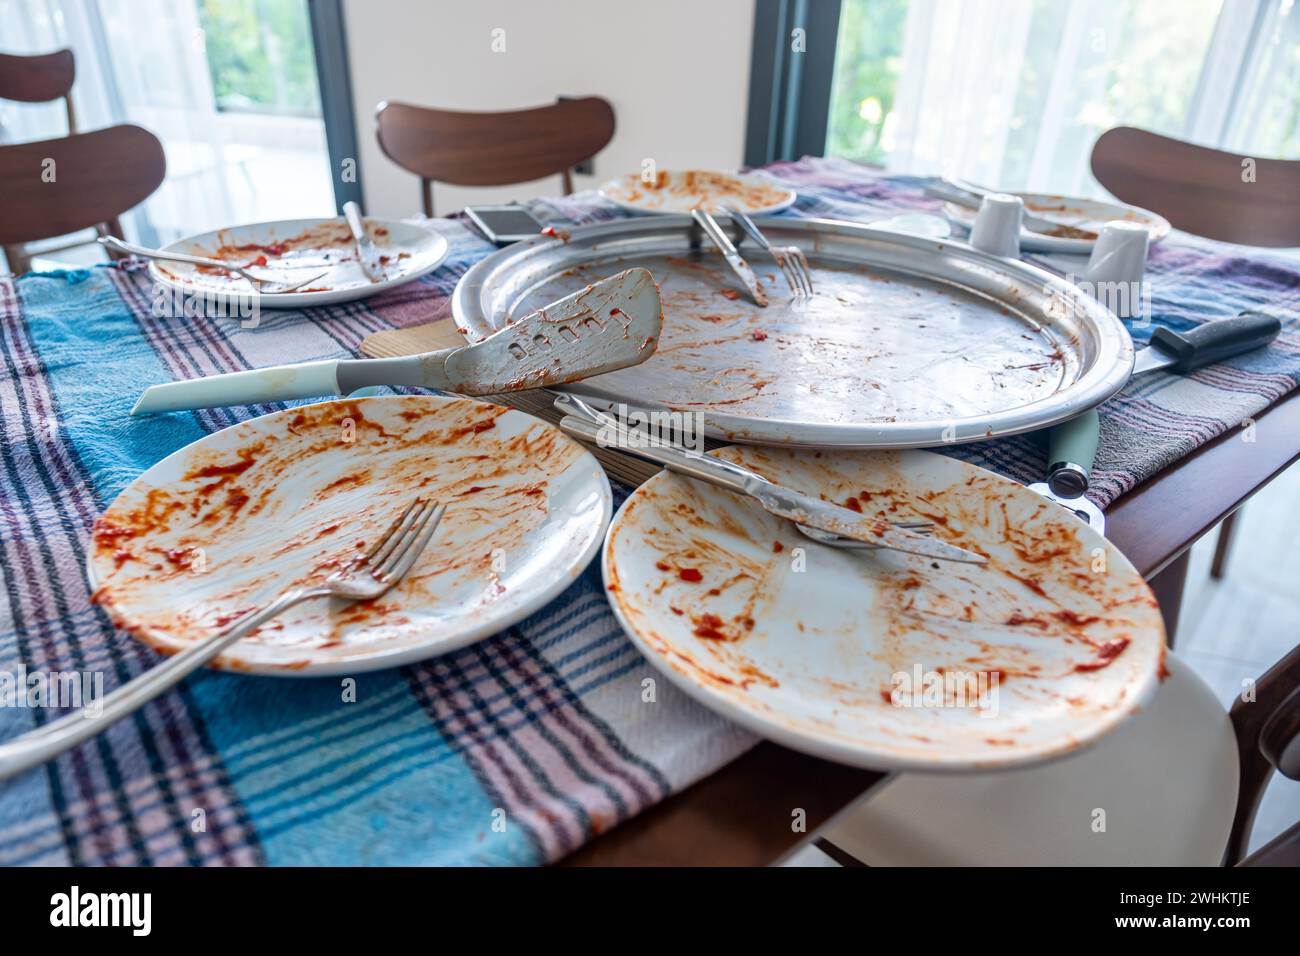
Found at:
(1210, 342)
(1072, 445)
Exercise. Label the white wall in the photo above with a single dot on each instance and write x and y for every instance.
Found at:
(676, 72)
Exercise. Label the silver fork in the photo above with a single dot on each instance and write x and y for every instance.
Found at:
(366, 578)
(789, 259)
(264, 286)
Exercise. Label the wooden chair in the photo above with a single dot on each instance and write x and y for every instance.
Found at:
(1179, 784)
(1207, 192)
(493, 149)
(1200, 190)
(54, 187)
(38, 79)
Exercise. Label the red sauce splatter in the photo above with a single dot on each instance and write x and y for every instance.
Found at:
(219, 471)
(224, 619)
(1017, 619)
(709, 626)
(1105, 654)
(690, 575)
(777, 547)
(1031, 583)
(758, 335)
(1074, 619)
(106, 531)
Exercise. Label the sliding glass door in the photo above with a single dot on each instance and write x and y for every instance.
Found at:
(1015, 92)
(229, 86)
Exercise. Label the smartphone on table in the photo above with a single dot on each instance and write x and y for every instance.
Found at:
(504, 224)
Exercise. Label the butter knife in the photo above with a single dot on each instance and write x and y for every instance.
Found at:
(367, 252)
(582, 421)
(728, 249)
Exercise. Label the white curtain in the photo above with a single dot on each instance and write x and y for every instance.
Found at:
(956, 96)
(145, 62)
(1013, 93)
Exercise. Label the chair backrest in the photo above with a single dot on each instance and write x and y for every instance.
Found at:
(1209, 192)
(1268, 739)
(53, 187)
(493, 149)
(39, 79)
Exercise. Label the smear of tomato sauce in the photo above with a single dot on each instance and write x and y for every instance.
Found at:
(1105, 654)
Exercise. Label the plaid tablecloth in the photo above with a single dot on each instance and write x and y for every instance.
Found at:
(516, 750)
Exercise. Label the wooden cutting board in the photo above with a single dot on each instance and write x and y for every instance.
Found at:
(442, 334)
(394, 343)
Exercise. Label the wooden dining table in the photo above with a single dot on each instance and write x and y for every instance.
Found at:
(771, 799)
(570, 760)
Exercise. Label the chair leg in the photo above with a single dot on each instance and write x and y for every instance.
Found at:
(1223, 545)
(1168, 589)
(17, 258)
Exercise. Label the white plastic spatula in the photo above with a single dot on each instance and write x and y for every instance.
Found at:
(610, 325)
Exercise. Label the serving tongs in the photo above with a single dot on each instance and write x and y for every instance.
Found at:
(728, 249)
(609, 325)
(819, 520)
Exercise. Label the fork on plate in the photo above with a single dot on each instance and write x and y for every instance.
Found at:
(364, 579)
(264, 286)
(789, 259)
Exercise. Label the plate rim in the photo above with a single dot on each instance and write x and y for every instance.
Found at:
(843, 752)
(302, 300)
(386, 659)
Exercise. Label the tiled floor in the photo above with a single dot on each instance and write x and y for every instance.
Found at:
(1235, 628)
(1239, 627)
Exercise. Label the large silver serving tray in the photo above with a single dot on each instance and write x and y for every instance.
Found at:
(909, 341)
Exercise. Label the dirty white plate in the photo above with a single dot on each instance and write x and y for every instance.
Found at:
(1087, 214)
(708, 189)
(295, 249)
(230, 521)
(874, 658)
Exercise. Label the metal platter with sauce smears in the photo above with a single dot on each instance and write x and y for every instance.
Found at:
(910, 341)
(228, 522)
(806, 644)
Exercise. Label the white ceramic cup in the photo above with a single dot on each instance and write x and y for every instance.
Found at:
(1120, 254)
(997, 225)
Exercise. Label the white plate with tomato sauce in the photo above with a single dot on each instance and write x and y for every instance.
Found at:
(293, 250)
(708, 189)
(230, 521)
(876, 658)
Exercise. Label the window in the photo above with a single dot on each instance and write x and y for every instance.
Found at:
(1015, 92)
(229, 86)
